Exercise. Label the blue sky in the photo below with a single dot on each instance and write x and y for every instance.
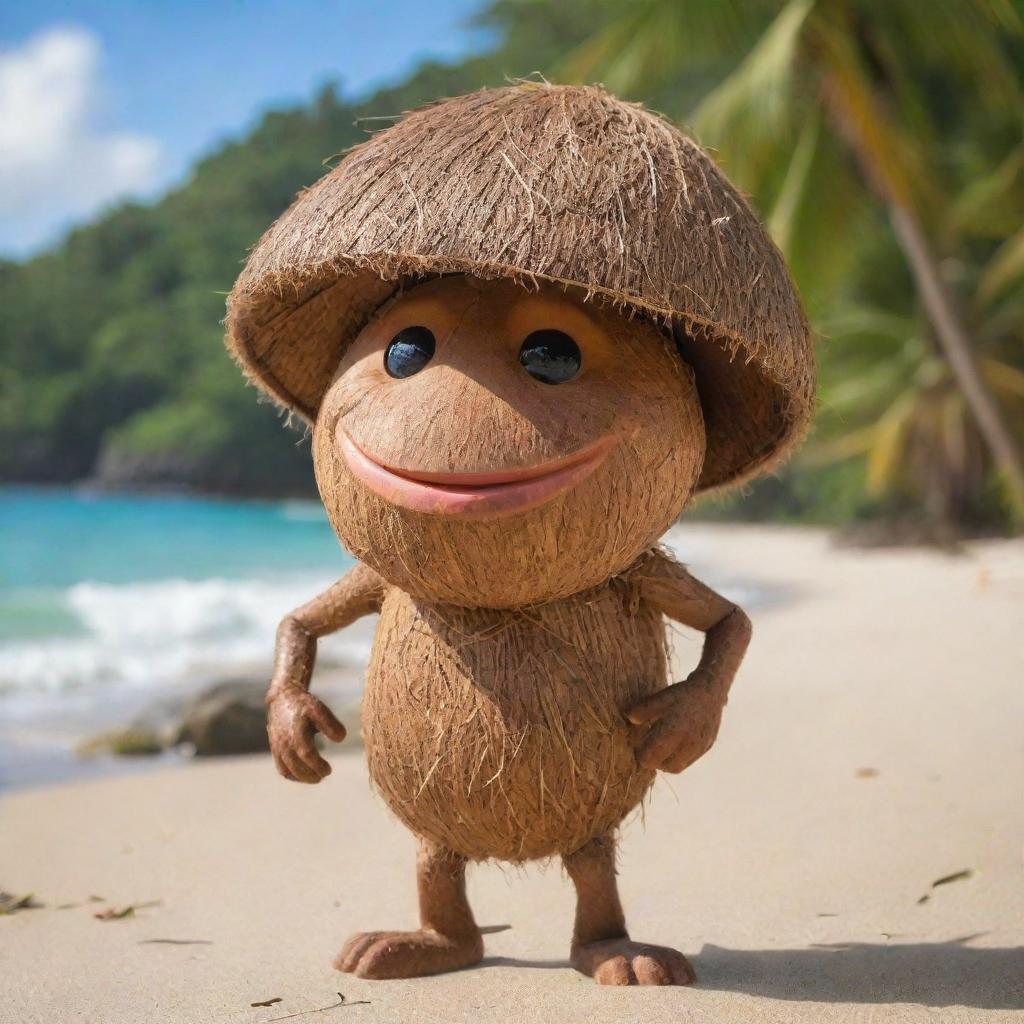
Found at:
(103, 100)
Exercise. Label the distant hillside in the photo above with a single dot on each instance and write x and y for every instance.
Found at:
(111, 359)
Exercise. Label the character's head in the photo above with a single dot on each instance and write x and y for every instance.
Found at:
(483, 443)
(527, 325)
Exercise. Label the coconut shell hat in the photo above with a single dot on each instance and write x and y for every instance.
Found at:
(536, 182)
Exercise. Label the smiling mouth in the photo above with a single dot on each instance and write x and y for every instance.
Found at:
(489, 494)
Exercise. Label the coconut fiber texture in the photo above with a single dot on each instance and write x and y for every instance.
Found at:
(535, 181)
(478, 411)
(507, 739)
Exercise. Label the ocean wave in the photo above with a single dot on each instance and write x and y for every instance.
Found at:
(173, 633)
(165, 633)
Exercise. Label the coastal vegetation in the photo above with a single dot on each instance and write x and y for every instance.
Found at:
(882, 143)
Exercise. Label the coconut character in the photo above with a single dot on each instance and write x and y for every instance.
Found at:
(527, 326)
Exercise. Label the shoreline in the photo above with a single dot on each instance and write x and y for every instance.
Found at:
(98, 486)
(885, 533)
(39, 729)
(33, 755)
(38, 748)
(151, 599)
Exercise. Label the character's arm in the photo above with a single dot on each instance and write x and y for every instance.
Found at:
(679, 724)
(293, 713)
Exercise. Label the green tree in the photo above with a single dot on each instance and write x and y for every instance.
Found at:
(827, 109)
(111, 354)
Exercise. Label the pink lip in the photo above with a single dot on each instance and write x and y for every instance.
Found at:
(491, 494)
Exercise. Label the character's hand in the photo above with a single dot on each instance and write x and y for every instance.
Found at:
(677, 725)
(293, 716)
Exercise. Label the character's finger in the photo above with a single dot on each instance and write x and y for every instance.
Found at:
(306, 749)
(653, 707)
(325, 721)
(282, 768)
(680, 759)
(661, 743)
(301, 772)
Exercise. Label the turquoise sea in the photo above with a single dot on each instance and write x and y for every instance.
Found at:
(110, 604)
(106, 599)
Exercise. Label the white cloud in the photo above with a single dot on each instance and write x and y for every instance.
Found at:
(57, 165)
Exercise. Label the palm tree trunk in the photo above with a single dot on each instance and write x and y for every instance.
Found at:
(958, 350)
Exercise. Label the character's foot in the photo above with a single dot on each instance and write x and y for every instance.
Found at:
(624, 962)
(407, 954)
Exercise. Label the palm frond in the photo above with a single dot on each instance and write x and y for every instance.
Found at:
(1003, 269)
(652, 39)
(887, 156)
(830, 222)
(782, 219)
(888, 449)
(857, 320)
(850, 445)
(867, 391)
(988, 198)
(965, 40)
(1005, 379)
(755, 101)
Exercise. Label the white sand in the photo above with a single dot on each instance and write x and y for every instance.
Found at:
(791, 881)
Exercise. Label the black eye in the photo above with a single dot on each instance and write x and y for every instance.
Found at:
(551, 357)
(409, 351)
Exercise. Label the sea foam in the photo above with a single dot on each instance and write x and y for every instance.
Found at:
(165, 634)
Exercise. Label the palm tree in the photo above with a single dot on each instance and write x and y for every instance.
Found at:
(810, 84)
(890, 394)
(915, 431)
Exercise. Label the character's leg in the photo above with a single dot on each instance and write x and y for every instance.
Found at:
(447, 939)
(601, 946)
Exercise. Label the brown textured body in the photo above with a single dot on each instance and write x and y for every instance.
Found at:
(501, 733)
(527, 325)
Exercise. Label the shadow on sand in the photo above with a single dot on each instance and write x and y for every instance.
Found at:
(928, 973)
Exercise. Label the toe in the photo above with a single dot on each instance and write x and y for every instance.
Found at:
(649, 970)
(375, 959)
(616, 970)
(681, 969)
(353, 950)
(624, 962)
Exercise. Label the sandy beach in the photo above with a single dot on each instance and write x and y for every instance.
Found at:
(872, 747)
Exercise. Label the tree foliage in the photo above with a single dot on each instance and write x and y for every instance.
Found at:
(111, 343)
(847, 120)
(112, 358)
